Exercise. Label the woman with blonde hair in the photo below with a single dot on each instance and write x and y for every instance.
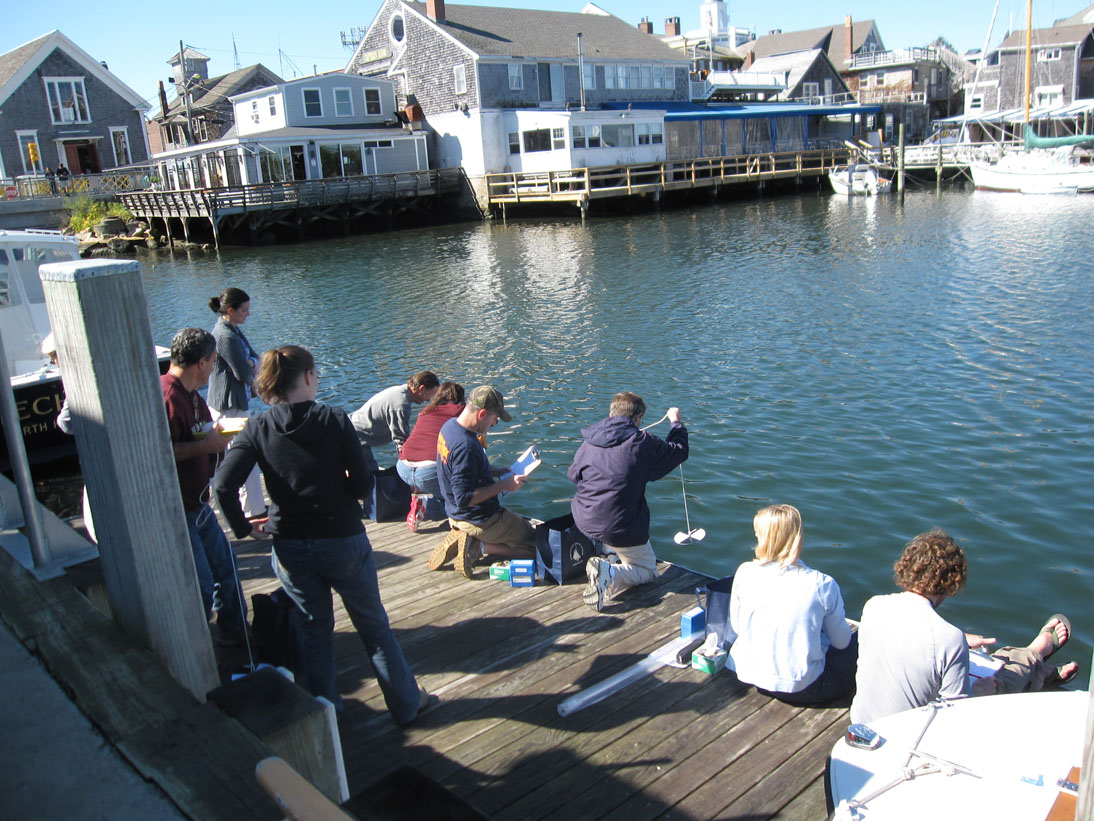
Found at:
(786, 620)
(315, 473)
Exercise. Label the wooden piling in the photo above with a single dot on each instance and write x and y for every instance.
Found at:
(900, 160)
(104, 341)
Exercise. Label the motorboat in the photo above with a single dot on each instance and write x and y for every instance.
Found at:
(858, 179)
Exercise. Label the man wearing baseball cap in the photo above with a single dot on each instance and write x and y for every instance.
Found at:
(470, 487)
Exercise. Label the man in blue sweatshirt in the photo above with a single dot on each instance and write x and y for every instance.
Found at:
(611, 469)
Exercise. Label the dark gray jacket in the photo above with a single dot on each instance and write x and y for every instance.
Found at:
(230, 382)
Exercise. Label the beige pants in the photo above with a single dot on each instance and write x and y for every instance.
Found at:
(250, 494)
(632, 566)
(504, 527)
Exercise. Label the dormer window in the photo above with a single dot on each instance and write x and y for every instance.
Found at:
(67, 100)
(398, 28)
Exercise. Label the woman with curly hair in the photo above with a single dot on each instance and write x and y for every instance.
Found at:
(786, 620)
(909, 655)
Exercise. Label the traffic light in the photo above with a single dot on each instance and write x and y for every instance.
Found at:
(32, 153)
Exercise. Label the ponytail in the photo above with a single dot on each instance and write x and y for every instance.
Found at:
(280, 370)
(231, 298)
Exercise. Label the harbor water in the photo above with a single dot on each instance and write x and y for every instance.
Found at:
(887, 366)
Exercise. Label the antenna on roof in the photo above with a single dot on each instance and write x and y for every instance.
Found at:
(235, 52)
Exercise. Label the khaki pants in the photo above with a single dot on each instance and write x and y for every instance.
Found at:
(631, 566)
(504, 527)
(1023, 671)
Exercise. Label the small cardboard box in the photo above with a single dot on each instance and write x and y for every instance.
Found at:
(709, 664)
(500, 571)
(693, 622)
(522, 573)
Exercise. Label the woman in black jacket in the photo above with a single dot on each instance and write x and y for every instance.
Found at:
(315, 474)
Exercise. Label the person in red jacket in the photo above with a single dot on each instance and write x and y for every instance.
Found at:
(417, 463)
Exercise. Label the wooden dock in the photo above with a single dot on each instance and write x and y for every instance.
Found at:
(677, 744)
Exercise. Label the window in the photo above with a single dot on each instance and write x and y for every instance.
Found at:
(649, 133)
(670, 78)
(634, 77)
(273, 106)
(810, 90)
(28, 150)
(459, 78)
(516, 77)
(343, 104)
(537, 139)
(514, 142)
(646, 77)
(658, 77)
(558, 138)
(593, 136)
(313, 105)
(621, 74)
(398, 28)
(617, 135)
(879, 79)
(201, 130)
(1045, 55)
(609, 76)
(1048, 96)
(67, 100)
(119, 138)
(378, 144)
(977, 102)
(372, 101)
(588, 76)
(577, 135)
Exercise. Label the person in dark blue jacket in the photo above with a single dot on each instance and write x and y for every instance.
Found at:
(611, 469)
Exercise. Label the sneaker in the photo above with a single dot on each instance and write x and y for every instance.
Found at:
(444, 552)
(468, 551)
(599, 574)
(416, 514)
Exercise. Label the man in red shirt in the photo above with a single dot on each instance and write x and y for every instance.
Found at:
(196, 444)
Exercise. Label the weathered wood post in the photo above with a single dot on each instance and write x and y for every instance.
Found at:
(104, 341)
(900, 161)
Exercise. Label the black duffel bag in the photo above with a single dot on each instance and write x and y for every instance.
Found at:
(390, 496)
(562, 550)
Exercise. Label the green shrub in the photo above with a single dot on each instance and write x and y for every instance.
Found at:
(87, 212)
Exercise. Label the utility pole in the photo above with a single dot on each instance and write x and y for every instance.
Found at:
(186, 96)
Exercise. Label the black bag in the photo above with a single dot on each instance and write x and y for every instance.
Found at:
(716, 605)
(277, 631)
(390, 496)
(562, 550)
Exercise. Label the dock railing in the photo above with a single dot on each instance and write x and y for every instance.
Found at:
(581, 184)
(106, 184)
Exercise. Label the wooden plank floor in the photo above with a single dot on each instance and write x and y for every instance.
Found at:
(677, 744)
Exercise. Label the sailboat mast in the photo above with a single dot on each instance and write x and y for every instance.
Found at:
(1029, 53)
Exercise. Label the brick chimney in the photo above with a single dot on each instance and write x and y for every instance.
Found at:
(646, 27)
(849, 36)
(750, 58)
(672, 26)
(435, 10)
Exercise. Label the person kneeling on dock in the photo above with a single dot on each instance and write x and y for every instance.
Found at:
(909, 655)
(611, 470)
(385, 417)
(193, 352)
(470, 486)
(315, 473)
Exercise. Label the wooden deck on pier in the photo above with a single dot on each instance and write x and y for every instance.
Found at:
(677, 744)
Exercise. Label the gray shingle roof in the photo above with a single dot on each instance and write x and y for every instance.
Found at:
(502, 32)
(1084, 17)
(12, 61)
(832, 39)
(216, 90)
(1055, 36)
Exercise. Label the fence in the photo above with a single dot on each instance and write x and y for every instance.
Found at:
(107, 184)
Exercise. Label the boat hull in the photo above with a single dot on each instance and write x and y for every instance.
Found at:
(1033, 174)
(858, 181)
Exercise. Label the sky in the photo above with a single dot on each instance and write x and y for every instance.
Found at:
(295, 39)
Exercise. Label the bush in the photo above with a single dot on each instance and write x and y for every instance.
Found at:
(88, 212)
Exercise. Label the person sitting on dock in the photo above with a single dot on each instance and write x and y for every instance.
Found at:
(470, 486)
(385, 417)
(909, 655)
(193, 352)
(611, 469)
(789, 634)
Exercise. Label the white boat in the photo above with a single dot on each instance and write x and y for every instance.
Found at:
(1036, 171)
(858, 179)
(987, 757)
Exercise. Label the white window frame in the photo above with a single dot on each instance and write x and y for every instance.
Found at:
(272, 99)
(459, 78)
(124, 131)
(304, 100)
(514, 143)
(558, 138)
(810, 90)
(588, 76)
(397, 18)
(976, 103)
(347, 100)
(72, 82)
(577, 136)
(516, 76)
(609, 77)
(1047, 55)
(1048, 96)
(376, 102)
(33, 134)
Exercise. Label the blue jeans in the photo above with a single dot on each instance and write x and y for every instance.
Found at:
(425, 479)
(216, 565)
(308, 569)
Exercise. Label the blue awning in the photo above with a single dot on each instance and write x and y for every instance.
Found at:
(680, 111)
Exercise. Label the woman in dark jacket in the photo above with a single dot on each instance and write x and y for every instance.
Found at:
(230, 383)
(315, 473)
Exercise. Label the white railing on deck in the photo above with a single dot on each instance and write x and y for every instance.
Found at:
(900, 55)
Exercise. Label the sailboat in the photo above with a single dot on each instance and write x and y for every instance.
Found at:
(1043, 165)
